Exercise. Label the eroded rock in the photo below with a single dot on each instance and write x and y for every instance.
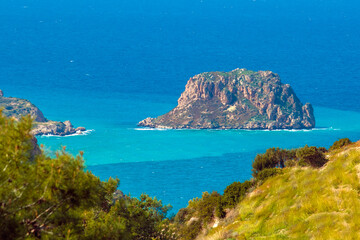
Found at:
(239, 99)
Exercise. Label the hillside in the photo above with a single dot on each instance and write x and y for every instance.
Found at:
(304, 193)
(301, 203)
(17, 108)
(239, 99)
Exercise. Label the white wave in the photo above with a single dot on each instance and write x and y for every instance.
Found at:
(78, 133)
(152, 129)
(245, 130)
(291, 130)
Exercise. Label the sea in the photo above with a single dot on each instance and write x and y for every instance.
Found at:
(107, 64)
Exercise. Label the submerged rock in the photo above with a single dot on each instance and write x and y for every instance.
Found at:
(16, 108)
(239, 99)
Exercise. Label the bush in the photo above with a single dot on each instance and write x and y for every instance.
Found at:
(181, 215)
(340, 143)
(191, 231)
(199, 212)
(207, 206)
(311, 156)
(273, 157)
(269, 172)
(234, 193)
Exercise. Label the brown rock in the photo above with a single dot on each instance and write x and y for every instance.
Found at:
(239, 99)
(81, 129)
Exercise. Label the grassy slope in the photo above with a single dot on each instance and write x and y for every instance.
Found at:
(303, 203)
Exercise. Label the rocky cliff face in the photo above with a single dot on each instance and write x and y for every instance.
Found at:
(239, 99)
(16, 108)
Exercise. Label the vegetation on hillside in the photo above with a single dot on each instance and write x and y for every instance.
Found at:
(55, 198)
(301, 193)
(299, 203)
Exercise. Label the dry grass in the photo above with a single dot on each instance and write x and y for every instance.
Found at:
(303, 203)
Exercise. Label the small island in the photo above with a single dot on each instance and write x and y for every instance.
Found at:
(239, 99)
(16, 108)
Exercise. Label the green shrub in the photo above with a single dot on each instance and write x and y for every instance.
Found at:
(273, 157)
(269, 172)
(199, 213)
(181, 215)
(311, 156)
(206, 208)
(191, 231)
(234, 193)
(340, 143)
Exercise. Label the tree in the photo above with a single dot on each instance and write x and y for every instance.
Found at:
(56, 198)
(312, 156)
(340, 143)
(273, 157)
(234, 193)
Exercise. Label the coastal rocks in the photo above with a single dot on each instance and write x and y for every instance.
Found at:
(239, 99)
(148, 122)
(16, 108)
(56, 128)
(80, 129)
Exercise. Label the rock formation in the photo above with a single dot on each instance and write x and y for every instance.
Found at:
(239, 99)
(16, 108)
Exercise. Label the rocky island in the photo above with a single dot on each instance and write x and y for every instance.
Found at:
(16, 108)
(239, 99)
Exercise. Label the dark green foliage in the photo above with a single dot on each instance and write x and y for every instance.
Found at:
(55, 198)
(268, 172)
(279, 158)
(234, 193)
(312, 156)
(340, 143)
(207, 205)
(322, 149)
(198, 214)
(220, 211)
(273, 157)
(191, 231)
(181, 215)
(130, 218)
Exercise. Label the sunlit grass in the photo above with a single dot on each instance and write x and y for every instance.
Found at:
(303, 203)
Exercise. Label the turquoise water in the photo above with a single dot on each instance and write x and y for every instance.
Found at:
(128, 143)
(177, 165)
(106, 65)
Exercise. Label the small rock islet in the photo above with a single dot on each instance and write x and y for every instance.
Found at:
(239, 99)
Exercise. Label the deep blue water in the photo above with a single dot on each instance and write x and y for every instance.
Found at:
(108, 64)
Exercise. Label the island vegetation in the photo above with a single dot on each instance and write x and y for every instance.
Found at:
(304, 193)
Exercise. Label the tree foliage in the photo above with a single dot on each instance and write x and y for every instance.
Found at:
(56, 198)
(234, 193)
(312, 156)
(340, 143)
(200, 212)
(280, 158)
(273, 157)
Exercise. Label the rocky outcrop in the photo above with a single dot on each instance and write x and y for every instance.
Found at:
(239, 99)
(16, 108)
(56, 128)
